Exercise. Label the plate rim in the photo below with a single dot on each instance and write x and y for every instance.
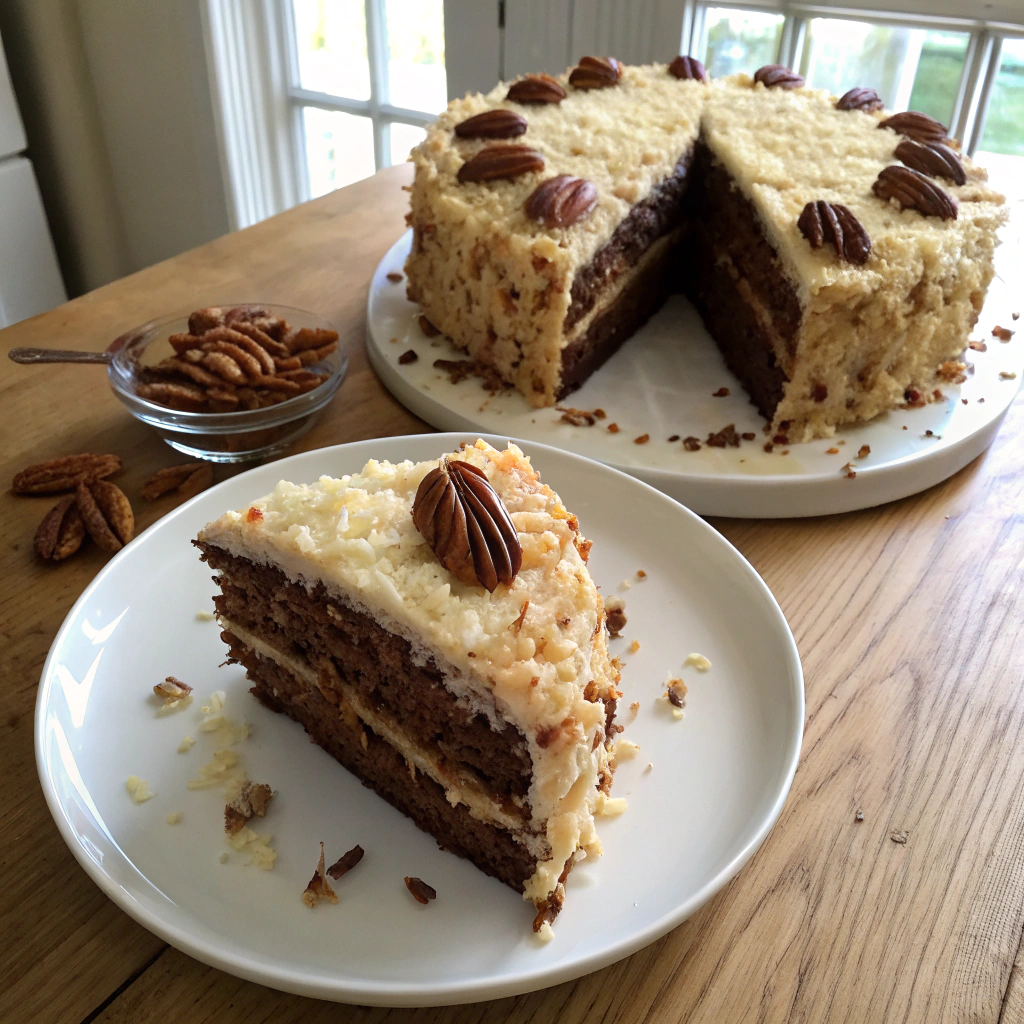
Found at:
(418, 994)
(900, 477)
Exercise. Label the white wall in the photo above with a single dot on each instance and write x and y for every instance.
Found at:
(117, 111)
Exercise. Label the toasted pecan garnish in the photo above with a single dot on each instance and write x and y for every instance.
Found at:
(688, 67)
(64, 474)
(467, 525)
(500, 162)
(595, 73)
(106, 512)
(61, 532)
(859, 98)
(536, 89)
(492, 124)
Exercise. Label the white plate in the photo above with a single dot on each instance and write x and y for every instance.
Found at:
(661, 383)
(718, 782)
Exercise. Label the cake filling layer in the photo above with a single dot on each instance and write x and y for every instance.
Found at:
(458, 785)
(635, 297)
(378, 671)
(657, 215)
(384, 769)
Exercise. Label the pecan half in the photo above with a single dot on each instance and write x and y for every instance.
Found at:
(305, 338)
(688, 67)
(595, 73)
(501, 162)
(421, 892)
(778, 76)
(203, 320)
(561, 201)
(187, 479)
(822, 222)
(910, 188)
(345, 863)
(467, 525)
(932, 158)
(64, 474)
(319, 888)
(859, 98)
(492, 124)
(61, 532)
(106, 512)
(917, 126)
(186, 397)
(536, 89)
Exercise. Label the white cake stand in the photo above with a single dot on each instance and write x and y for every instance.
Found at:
(661, 384)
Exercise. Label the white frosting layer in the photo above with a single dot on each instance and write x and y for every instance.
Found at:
(356, 534)
(788, 147)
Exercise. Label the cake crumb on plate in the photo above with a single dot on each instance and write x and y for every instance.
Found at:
(697, 661)
(205, 616)
(174, 818)
(634, 647)
(138, 789)
(186, 744)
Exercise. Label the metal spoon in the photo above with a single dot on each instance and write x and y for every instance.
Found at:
(57, 355)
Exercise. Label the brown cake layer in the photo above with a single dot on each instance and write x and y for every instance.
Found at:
(350, 649)
(657, 215)
(383, 769)
(632, 308)
(727, 246)
(738, 333)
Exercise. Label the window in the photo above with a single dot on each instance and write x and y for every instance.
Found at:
(969, 75)
(367, 76)
(740, 40)
(314, 94)
(1002, 141)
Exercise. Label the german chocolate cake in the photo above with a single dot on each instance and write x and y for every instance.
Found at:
(434, 627)
(838, 255)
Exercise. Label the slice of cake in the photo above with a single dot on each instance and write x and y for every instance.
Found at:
(434, 627)
(544, 215)
(832, 296)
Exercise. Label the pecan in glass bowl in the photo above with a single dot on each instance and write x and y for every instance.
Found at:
(229, 383)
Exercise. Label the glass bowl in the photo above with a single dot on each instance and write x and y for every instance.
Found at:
(241, 436)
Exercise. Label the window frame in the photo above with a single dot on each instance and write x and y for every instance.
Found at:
(981, 61)
(378, 108)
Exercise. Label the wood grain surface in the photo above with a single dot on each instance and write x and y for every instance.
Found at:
(909, 619)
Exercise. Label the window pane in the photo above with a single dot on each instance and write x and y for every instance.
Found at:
(1004, 125)
(910, 68)
(331, 40)
(339, 149)
(938, 74)
(403, 138)
(416, 74)
(741, 40)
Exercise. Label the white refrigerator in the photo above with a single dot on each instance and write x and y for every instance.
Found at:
(30, 280)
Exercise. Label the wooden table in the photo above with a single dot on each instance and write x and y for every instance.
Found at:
(909, 618)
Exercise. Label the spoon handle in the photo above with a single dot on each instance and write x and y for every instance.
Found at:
(57, 355)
